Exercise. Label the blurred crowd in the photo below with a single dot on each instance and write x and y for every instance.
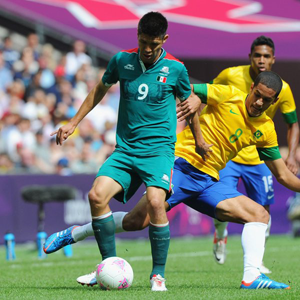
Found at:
(40, 90)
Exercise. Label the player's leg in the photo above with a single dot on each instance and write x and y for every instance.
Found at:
(103, 189)
(230, 176)
(243, 210)
(156, 172)
(137, 219)
(226, 204)
(159, 235)
(259, 186)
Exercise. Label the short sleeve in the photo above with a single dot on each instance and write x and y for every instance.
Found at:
(272, 153)
(287, 104)
(183, 88)
(111, 75)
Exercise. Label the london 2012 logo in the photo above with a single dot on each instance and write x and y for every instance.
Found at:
(236, 16)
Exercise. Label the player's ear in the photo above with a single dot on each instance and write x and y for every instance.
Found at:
(252, 86)
(165, 38)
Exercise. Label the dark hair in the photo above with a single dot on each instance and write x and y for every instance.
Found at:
(271, 80)
(263, 40)
(153, 24)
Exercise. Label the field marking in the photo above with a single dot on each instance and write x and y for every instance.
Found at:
(46, 264)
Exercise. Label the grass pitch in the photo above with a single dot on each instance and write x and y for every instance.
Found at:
(191, 271)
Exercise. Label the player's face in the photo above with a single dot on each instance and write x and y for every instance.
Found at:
(262, 59)
(150, 47)
(259, 99)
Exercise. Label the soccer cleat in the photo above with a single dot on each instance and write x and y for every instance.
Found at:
(219, 249)
(58, 240)
(158, 284)
(263, 282)
(263, 269)
(88, 279)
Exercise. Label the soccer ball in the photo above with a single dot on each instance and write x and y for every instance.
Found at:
(114, 273)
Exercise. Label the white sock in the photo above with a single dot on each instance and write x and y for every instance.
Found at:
(221, 229)
(253, 243)
(82, 232)
(118, 218)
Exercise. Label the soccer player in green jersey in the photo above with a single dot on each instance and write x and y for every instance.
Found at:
(247, 166)
(231, 121)
(150, 79)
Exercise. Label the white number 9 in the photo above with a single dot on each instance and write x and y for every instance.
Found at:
(143, 90)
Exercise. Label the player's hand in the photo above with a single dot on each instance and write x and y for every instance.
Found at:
(63, 133)
(188, 107)
(292, 165)
(204, 150)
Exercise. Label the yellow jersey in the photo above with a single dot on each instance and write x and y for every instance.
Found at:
(225, 123)
(241, 79)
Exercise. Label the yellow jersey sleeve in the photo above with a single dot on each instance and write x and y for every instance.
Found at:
(213, 94)
(266, 143)
(286, 104)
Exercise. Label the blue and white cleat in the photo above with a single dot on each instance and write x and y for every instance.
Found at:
(263, 282)
(59, 240)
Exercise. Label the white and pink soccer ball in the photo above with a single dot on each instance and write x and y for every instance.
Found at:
(114, 273)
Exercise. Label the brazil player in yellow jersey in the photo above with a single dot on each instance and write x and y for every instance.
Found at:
(231, 121)
(247, 166)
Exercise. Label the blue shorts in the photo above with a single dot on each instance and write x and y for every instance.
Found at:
(197, 189)
(257, 179)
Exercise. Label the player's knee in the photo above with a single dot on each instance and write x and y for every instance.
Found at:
(261, 215)
(156, 203)
(96, 198)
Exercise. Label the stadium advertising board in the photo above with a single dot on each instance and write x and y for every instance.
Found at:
(21, 218)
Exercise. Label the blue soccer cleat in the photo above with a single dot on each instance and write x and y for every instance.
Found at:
(59, 240)
(263, 282)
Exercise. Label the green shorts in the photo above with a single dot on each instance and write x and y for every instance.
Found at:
(131, 171)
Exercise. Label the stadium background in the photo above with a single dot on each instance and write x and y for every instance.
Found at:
(40, 92)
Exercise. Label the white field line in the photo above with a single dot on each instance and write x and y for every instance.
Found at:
(45, 264)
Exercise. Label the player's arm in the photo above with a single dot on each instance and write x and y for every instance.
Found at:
(201, 147)
(288, 110)
(92, 99)
(283, 174)
(293, 142)
(188, 107)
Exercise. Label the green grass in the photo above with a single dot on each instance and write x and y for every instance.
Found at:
(191, 271)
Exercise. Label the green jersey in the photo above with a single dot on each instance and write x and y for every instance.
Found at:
(147, 111)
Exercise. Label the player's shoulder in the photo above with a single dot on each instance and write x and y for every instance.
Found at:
(172, 59)
(285, 85)
(127, 52)
(130, 51)
(237, 70)
(125, 56)
(231, 89)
